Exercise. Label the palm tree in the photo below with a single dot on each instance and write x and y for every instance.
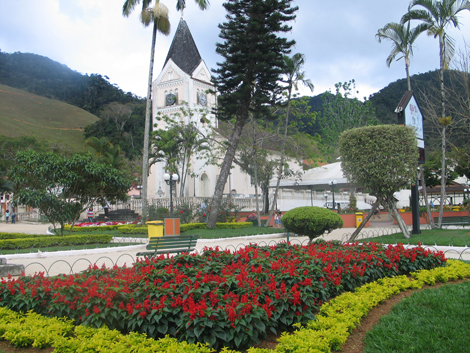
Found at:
(403, 39)
(158, 15)
(293, 76)
(436, 16)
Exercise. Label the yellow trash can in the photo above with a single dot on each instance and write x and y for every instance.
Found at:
(155, 229)
(359, 216)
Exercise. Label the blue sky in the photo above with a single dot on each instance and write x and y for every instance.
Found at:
(336, 36)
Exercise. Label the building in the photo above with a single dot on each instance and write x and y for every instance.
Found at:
(185, 79)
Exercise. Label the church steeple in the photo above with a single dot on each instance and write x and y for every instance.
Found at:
(183, 50)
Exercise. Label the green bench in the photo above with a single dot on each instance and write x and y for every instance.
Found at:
(175, 244)
(453, 221)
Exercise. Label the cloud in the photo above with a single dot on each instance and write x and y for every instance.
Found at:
(337, 38)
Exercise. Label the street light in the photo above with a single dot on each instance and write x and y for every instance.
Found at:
(333, 183)
(171, 180)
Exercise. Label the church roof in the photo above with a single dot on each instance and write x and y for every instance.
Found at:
(183, 50)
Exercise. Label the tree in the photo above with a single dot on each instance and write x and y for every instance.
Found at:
(180, 143)
(63, 187)
(403, 39)
(436, 16)
(382, 159)
(106, 152)
(248, 78)
(157, 15)
(293, 76)
(343, 111)
(312, 221)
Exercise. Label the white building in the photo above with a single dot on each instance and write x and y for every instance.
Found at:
(186, 78)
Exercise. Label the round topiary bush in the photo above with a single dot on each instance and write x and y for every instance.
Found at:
(311, 221)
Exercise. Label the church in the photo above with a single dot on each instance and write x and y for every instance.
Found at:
(185, 79)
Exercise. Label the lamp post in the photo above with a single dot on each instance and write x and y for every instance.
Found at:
(333, 183)
(171, 179)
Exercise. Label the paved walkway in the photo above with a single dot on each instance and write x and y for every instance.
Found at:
(74, 261)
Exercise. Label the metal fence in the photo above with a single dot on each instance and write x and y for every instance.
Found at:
(109, 261)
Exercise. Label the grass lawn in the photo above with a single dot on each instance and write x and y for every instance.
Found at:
(433, 320)
(203, 233)
(442, 237)
(230, 233)
(66, 248)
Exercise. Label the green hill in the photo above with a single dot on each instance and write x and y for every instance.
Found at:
(23, 113)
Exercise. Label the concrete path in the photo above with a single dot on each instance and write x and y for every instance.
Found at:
(53, 263)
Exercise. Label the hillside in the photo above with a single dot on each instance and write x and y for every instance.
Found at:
(23, 113)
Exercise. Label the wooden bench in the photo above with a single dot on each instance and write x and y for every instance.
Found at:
(176, 244)
(453, 221)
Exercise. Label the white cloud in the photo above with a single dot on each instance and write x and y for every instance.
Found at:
(337, 37)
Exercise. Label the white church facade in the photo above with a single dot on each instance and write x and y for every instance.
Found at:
(185, 79)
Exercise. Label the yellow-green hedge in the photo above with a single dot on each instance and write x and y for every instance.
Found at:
(52, 240)
(91, 228)
(4, 235)
(138, 229)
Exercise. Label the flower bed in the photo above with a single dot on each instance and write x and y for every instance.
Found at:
(331, 329)
(220, 298)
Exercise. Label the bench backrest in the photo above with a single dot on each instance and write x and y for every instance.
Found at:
(173, 242)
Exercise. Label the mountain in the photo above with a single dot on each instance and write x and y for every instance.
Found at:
(23, 113)
(42, 76)
(93, 93)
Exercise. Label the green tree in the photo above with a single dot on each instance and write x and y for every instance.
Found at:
(343, 111)
(312, 221)
(106, 152)
(157, 15)
(437, 16)
(403, 39)
(63, 187)
(293, 75)
(180, 143)
(248, 78)
(382, 159)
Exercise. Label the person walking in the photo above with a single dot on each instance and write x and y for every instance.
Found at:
(7, 215)
(90, 215)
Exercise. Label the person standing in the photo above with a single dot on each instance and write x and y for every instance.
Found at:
(106, 209)
(90, 215)
(13, 216)
(276, 220)
(7, 215)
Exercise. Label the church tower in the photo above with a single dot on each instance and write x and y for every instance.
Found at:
(184, 78)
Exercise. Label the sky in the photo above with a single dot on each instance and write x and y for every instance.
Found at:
(337, 38)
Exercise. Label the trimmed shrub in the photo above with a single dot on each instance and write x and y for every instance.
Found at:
(311, 221)
(53, 240)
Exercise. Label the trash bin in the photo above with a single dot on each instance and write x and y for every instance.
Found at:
(359, 216)
(155, 229)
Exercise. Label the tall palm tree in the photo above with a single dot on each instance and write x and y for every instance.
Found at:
(437, 16)
(158, 15)
(403, 38)
(293, 76)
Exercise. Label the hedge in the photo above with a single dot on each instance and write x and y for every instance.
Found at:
(44, 241)
(4, 235)
(137, 229)
(91, 228)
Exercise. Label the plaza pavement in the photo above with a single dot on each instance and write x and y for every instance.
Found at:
(74, 261)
